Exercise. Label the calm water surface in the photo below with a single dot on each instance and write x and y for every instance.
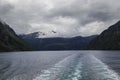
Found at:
(60, 65)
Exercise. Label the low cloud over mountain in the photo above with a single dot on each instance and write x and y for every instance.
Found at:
(68, 18)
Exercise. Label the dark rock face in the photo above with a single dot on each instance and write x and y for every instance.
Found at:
(57, 43)
(108, 39)
(9, 41)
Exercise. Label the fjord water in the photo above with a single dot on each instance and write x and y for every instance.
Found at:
(60, 65)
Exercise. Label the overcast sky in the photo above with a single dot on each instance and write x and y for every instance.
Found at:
(66, 17)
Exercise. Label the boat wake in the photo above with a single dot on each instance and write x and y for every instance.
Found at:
(77, 67)
(58, 70)
(86, 67)
(94, 69)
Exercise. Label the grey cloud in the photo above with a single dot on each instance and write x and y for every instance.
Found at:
(85, 12)
(93, 12)
(5, 8)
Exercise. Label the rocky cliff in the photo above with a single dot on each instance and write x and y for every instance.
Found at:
(108, 39)
(9, 41)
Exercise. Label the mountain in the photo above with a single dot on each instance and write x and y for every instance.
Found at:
(108, 39)
(9, 41)
(43, 34)
(56, 43)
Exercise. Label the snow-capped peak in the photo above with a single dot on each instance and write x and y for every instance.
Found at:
(47, 34)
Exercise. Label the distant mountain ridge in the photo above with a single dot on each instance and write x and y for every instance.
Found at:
(57, 43)
(9, 41)
(108, 39)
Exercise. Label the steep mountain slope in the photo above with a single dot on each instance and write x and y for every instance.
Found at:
(9, 41)
(108, 39)
(57, 43)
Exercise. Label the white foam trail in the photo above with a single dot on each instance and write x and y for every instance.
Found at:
(97, 70)
(55, 73)
(76, 74)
